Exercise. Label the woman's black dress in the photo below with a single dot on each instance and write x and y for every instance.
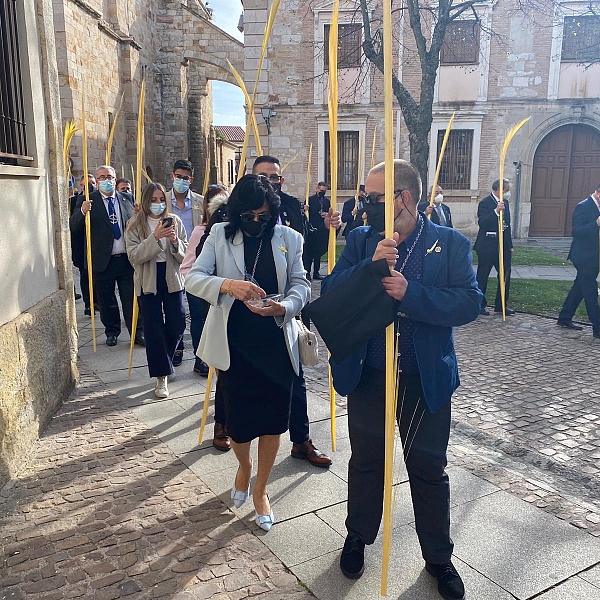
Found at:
(257, 387)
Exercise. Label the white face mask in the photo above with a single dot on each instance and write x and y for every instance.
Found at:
(439, 199)
(506, 196)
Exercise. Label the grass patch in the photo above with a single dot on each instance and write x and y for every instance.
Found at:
(339, 248)
(526, 256)
(537, 296)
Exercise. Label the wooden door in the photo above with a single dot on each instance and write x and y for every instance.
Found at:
(566, 168)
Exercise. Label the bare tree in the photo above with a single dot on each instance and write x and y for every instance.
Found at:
(417, 112)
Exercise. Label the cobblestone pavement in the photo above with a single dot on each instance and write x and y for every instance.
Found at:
(105, 510)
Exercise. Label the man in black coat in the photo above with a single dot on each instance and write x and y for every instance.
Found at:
(292, 215)
(109, 212)
(318, 209)
(486, 244)
(584, 255)
(78, 244)
(440, 213)
(353, 216)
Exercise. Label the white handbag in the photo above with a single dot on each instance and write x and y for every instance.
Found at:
(308, 346)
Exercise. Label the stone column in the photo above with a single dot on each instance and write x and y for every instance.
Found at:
(199, 120)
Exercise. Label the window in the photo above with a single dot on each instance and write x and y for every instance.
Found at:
(230, 172)
(455, 172)
(349, 44)
(581, 39)
(461, 44)
(347, 159)
(13, 133)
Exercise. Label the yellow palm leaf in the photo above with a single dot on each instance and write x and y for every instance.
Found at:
(111, 135)
(440, 159)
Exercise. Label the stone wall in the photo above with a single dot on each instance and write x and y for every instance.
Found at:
(37, 322)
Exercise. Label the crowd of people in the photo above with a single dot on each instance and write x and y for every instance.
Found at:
(244, 262)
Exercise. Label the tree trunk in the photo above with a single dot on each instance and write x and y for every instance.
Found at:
(419, 151)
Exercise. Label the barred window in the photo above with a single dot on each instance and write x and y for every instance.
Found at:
(13, 134)
(455, 172)
(347, 159)
(581, 39)
(461, 44)
(349, 44)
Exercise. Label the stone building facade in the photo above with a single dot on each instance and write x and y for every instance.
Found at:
(37, 312)
(106, 47)
(545, 65)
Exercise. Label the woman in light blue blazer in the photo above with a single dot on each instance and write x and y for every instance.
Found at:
(250, 338)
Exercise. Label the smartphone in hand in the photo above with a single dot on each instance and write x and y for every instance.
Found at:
(167, 221)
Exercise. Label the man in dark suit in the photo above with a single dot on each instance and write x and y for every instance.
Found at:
(584, 255)
(486, 244)
(318, 209)
(352, 211)
(292, 215)
(440, 213)
(78, 245)
(433, 284)
(109, 212)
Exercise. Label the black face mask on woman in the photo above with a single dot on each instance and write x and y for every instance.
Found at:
(375, 215)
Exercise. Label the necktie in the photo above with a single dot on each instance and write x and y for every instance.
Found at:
(441, 215)
(112, 217)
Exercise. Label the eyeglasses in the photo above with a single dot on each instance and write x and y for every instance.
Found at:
(184, 177)
(272, 178)
(106, 177)
(374, 198)
(246, 217)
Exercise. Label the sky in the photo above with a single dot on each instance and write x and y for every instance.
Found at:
(228, 100)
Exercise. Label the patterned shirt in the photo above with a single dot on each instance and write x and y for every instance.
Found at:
(413, 271)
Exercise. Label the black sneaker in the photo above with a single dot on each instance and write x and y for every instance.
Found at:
(352, 560)
(450, 585)
(177, 358)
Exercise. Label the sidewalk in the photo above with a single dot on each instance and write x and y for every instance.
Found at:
(119, 499)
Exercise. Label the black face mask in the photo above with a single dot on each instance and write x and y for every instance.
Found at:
(322, 194)
(376, 215)
(276, 187)
(257, 228)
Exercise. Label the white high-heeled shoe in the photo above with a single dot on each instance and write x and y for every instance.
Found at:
(265, 521)
(237, 496)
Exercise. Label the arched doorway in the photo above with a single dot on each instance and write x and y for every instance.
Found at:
(566, 168)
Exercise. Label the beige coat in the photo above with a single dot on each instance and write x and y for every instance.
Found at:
(142, 255)
(227, 256)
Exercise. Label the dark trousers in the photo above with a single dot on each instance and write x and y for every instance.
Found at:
(163, 315)
(585, 287)
(85, 288)
(425, 439)
(299, 426)
(484, 267)
(198, 312)
(118, 272)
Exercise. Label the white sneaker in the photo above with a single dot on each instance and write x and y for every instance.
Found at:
(161, 390)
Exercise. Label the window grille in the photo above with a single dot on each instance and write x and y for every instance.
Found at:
(581, 39)
(455, 172)
(13, 133)
(461, 44)
(347, 159)
(349, 45)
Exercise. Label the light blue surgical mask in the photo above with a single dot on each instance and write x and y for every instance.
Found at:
(107, 186)
(157, 209)
(181, 185)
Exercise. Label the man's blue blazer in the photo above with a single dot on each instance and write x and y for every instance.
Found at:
(446, 296)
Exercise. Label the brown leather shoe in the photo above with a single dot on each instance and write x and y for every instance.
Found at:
(221, 439)
(307, 451)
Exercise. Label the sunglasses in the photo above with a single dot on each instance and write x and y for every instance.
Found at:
(374, 198)
(246, 217)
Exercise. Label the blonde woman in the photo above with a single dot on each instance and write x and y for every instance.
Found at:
(156, 244)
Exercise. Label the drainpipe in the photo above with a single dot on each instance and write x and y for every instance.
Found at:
(516, 217)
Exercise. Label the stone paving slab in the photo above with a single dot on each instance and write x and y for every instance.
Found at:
(573, 589)
(524, 550)
(407, 578)
(592, 576)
